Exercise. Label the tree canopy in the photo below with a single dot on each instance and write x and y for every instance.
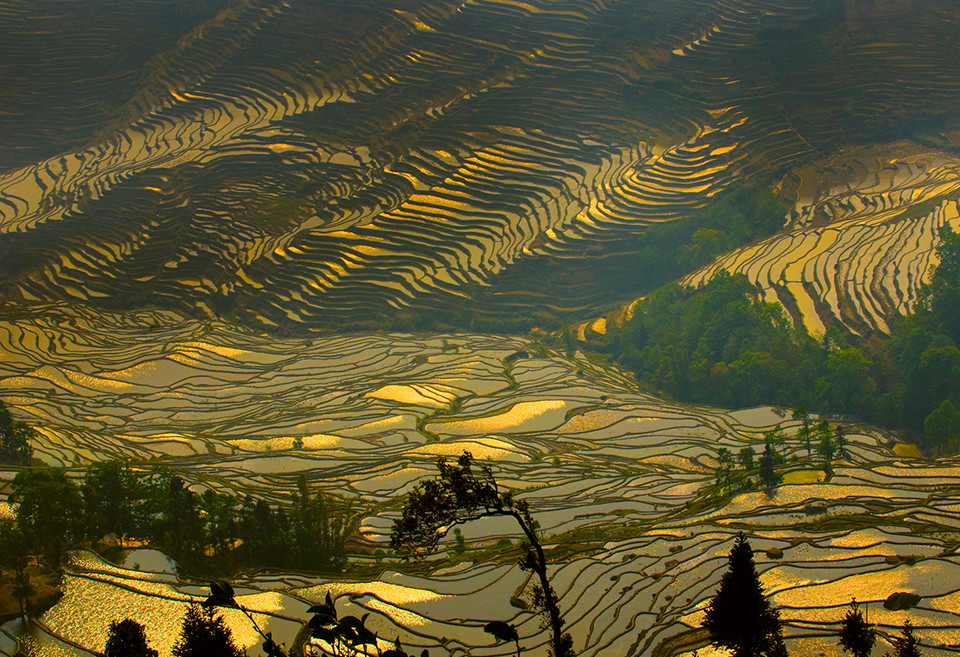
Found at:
(127, 638)
(723, 344)
(462, 493)
(49, 510)
(205, 634)
(14, 439)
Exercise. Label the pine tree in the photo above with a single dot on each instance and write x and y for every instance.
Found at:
(740, 618)
(127, 638)
(907, 644)
(856, 636)
(205, 634)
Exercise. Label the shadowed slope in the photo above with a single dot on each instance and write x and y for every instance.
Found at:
(284, 164)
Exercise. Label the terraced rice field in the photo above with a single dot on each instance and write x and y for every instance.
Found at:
(292, 166)
(619, 481)
(861, 238)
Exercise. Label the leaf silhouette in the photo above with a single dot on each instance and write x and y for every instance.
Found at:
(221, 595)
(502, 631)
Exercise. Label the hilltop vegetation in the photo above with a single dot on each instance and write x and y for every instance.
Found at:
(723, 345)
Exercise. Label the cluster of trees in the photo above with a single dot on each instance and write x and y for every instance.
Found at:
(829, 442)
(462, 492)
(740, 619)
(722, 344)
(209, 532)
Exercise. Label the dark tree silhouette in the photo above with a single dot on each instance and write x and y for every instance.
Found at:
(110, 491)
(800, 413)
(768, 468)
(461, 494)
(205, 634)
(740, 618)
(855, 635)
(127, 638)
(906, 645)
(14, 439)
(49, 510)
(14, 554)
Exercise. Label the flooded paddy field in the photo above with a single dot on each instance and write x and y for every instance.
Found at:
(620, 481)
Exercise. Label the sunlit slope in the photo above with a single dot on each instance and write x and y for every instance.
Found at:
(619, 480)
(861, 238)
(290, 164)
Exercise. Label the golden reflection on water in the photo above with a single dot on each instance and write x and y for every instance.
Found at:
(419, 395)
(393, 594)
(228, 352)
(487, 449)
(518, 415)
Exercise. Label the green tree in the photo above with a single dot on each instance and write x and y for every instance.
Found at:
(944, 293)
(49, 510)
(745, 457)
(461, 494)
(14, 439)
(724, 473)
(127, 638)
(942, 427)
(321, 525)
(205, 634)
(847, 385)
(170, 513)
(856, 636)
(111, 491)
(15, 555)
(219, 511)
(826, 448)
(800, 413)
(739, 617)
(840, 439)
(906, 645)
(768, 468)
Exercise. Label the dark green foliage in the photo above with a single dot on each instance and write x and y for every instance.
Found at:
(722, 345)
(111, 491)
(942, 427)
(906, 645)
(14, 556)
(826, 447)
(740, 618)
(14, 439)
(669, 250)
(205, 634)
(460, 494)
(49, 511)
(768, 468)
(855, 635)
(321, 526)
(724, 473)
(127, 638)
(210, 533)
(944, 293)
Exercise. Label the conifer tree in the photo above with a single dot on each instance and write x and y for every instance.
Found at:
(205, 634)
(906, 645)
(856, 636)
(740, 618)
